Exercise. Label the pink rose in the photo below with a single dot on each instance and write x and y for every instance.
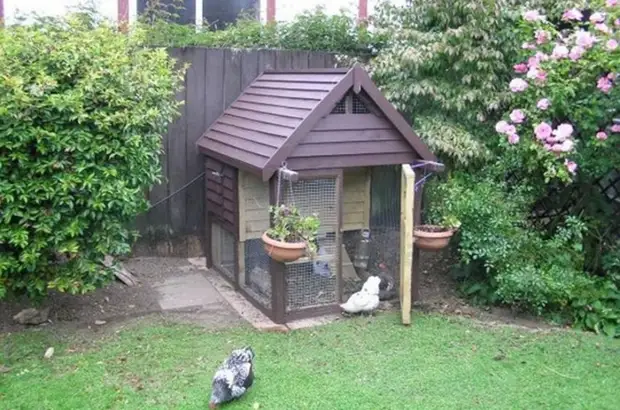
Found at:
(532, 15)
(563, 131)
(520, 68)
(572, 14)
(518, 85)
(528, 46)
(501, 127)
(517, 116)
(571, 166)
(532, 62)
(559, 51)
(601, 136)
(567, 146)
(510, 129)
(604, 84)
(576, 53)
(532, 73)
(611, 3)
(541, 76)
(543, 131)
(612, 44)
(597, 18)
(585, 39)
(603, 28)
(543, 104)
(542, 36)
(513, 139)
(615, 128)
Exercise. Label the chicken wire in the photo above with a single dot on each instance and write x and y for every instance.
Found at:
(314, 282)
(223, 250)
(254, 275)
(384, 245)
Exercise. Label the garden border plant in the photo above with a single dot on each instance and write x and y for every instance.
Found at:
(83, 109)
(291, 234)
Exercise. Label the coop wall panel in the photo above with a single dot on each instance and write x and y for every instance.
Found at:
(351, 140)
(253, 206)
(356, 199)
(221, 193)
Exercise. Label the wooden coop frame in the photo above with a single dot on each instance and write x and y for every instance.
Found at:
(323, 123)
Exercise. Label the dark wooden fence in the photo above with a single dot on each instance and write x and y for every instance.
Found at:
(213, 81)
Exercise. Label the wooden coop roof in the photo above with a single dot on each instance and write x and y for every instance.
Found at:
(267, 122)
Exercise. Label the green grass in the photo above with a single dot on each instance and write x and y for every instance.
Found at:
(437, 363)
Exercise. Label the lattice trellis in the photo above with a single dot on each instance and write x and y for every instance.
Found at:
(563, 200)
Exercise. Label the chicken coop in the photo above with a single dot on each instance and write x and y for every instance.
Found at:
(346, 144)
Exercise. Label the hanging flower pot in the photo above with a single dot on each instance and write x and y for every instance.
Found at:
(283, 251)
(432, 237)
(291, 235)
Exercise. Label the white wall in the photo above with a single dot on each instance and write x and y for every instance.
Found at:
(287, 9)
(107, 8)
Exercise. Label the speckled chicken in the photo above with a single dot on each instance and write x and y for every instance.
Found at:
(233, 378)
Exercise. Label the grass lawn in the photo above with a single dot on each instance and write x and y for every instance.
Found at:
(437, 363)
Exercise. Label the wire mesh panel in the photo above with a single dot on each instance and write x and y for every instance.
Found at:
(379, 253)
(314, 282)
(254, 275)
(341, 106)
(223, 250)
(358, 106)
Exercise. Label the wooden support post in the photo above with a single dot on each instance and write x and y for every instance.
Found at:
(406, 240)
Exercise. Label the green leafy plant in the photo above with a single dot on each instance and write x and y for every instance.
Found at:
(288, 225)
(82, 111)
(312, 30)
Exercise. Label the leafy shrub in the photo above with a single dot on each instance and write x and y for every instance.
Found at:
(504, 259)
(82, 111)
(444, 64)
(312, 30)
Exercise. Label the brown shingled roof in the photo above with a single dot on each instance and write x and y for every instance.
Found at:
(262, 127)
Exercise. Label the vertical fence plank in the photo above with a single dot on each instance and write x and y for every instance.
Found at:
(177, 161)
(266, 60)
(284, 60)
(300, 60)
(214, 93)
(316, 60)
(195, 102)
(232, 76)
(249, 68)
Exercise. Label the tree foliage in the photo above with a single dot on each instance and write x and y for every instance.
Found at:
(82, 111)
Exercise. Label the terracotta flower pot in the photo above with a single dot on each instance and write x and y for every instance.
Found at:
(432, 237)
(283, 251)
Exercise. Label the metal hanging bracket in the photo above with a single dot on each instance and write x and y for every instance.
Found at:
(429, 168)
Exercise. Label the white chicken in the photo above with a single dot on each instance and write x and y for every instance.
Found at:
(366, 300)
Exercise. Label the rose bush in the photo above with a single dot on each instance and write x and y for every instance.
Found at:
(567, 96)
